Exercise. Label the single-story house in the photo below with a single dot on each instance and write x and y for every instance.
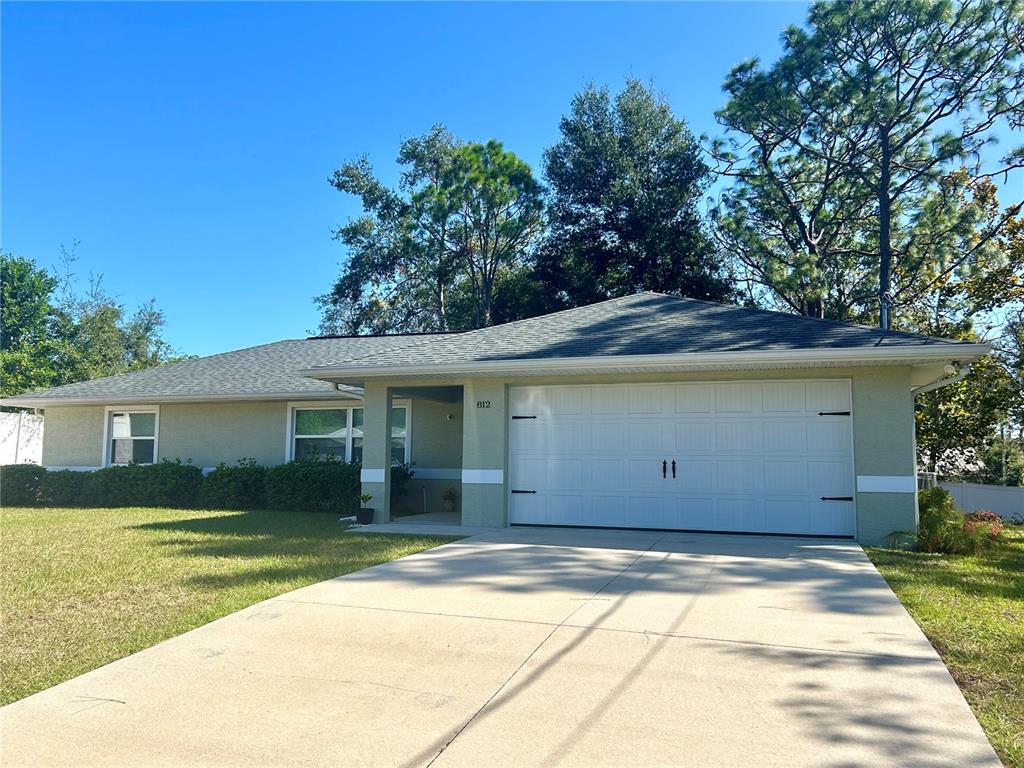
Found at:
(647, 411)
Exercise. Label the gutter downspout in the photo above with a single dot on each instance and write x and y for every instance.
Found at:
(961, 374)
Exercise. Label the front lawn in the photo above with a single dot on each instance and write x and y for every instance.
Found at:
(972, 610)
(82, 587)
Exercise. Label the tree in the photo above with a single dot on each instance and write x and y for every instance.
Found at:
(852, 131)
(26, 353)
(496, 209)
(432, 254)
(625, 181)
(52, 335)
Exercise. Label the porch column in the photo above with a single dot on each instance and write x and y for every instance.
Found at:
(375, 476)
(484, 430)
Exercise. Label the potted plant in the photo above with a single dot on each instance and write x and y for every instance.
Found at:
(365, 514)
(449, 497)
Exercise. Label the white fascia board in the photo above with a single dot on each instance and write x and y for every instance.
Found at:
(687, 361)
(45, 402)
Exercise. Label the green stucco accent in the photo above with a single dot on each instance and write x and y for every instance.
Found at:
(73, 436)
(377, 448)
(484, 441)
(208, 434)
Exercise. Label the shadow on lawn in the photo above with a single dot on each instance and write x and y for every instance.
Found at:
(305, 545)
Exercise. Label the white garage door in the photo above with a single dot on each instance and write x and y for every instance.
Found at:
(771, 457)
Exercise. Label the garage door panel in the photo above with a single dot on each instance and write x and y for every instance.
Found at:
(829, 478)
(610, 400)
(739, 514)
(750, 456)
(783, 397)
(739, 476)
(738, 398)
(645, 475)
(568, 401)
(785, 436)
(649, 401)
(609, 474)
(831, 518)
(739, 436)
(785, 476)
(528, 508)
(529, 472)
(828, 396)
(695, 436)
(648, 436)
(695, 398)
(695, 475)
(829, 435)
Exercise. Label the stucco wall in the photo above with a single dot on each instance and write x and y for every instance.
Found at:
(73, 436)
(211, 433)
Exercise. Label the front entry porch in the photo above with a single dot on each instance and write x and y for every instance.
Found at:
(456, 436)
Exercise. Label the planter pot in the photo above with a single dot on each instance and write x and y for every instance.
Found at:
(448, 505)
(364, 516)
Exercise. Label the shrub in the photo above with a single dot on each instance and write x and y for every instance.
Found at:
(944, 528)
(985, 521)
(401, 474)
(20, 484)
(313, 485)
(166, 484)
(937, 518)
(238, 487)
(64, 488)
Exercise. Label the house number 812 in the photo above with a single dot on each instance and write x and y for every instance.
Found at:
(483, 403)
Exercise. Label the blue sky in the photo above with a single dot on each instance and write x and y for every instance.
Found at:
(187, 146)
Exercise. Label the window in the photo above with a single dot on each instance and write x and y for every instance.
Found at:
(320, 432)
(338, 432)
(132, 437)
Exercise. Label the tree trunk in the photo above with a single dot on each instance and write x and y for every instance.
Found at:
(884, 233)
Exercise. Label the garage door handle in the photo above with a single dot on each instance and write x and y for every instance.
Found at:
(664, 469)
(837, 498)
(673, 469)
(516, 491)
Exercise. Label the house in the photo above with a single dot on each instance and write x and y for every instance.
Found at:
(647, 411)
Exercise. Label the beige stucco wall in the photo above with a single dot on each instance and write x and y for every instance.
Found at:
(73, 436)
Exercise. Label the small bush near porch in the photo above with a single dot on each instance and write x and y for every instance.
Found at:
(971, 607)
(82, 587)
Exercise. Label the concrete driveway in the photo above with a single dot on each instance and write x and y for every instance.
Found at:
(535, 647)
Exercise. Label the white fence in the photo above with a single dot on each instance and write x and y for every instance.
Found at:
(21, 438)
(1005, 501)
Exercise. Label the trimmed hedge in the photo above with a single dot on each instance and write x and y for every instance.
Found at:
(239, 487)
(308, 485)
(64, 488)
(313, 485)
(20, 484)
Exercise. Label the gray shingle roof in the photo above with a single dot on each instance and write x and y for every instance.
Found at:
(642, 324)
(267, 370)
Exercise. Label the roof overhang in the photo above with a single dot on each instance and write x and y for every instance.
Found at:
(47, 402)
(667, 363)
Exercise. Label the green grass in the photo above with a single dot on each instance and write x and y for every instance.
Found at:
(82, 587)
(972, 610)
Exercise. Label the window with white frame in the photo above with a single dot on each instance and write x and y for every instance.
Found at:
(132, 437)
(338, 432)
